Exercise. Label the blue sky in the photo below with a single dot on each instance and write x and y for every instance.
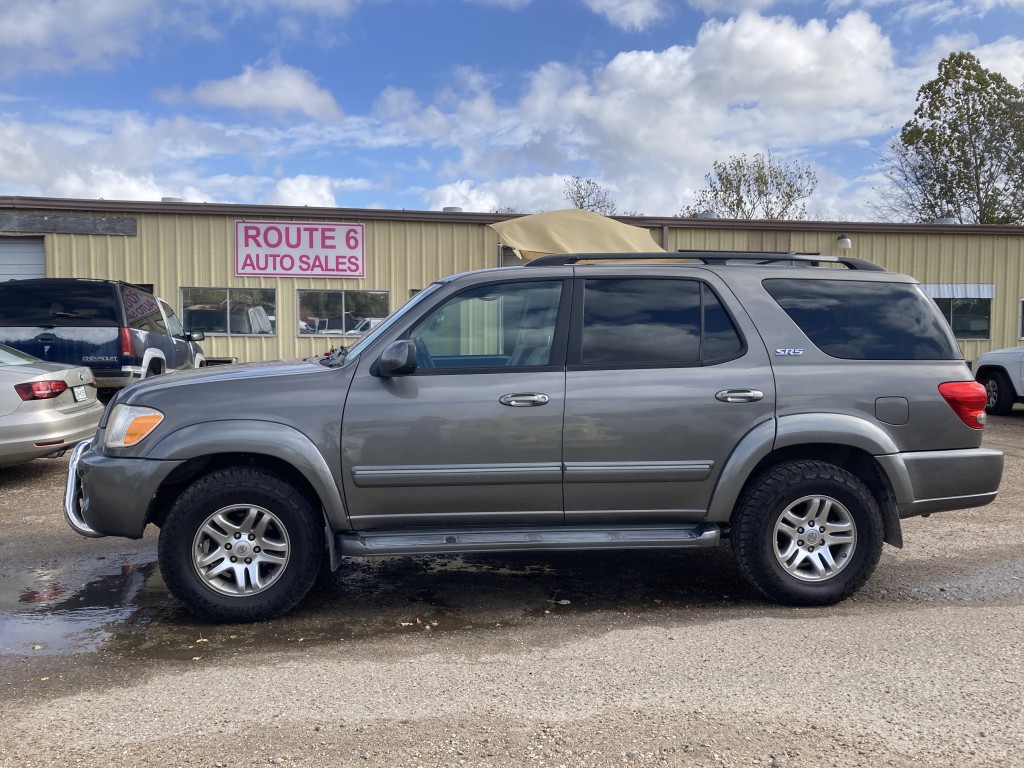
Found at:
(421, 104)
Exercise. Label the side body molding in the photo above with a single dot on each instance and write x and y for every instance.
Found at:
(260, 437)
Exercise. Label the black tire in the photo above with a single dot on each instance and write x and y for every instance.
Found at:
(240, 512)
(787, 559)
(999, 394)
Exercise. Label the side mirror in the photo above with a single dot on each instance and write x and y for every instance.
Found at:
(196, 335)
(398, 359)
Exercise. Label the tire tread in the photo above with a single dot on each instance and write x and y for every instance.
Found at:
(302, 569)
(754, 522)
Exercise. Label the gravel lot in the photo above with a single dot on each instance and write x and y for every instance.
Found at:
(605, 659)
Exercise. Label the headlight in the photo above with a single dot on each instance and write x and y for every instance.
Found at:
(128, 424)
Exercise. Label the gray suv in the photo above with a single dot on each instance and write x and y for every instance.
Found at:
(799, 406)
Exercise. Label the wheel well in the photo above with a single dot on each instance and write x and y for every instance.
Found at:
(857, 462)
(182, 477)
(986, 370)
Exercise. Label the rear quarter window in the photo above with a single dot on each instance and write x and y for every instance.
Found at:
(860, 320)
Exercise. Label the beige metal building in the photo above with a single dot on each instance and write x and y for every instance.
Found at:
(266, 282)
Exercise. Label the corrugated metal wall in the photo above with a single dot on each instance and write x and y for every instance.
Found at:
(175, 249)
(178, 250)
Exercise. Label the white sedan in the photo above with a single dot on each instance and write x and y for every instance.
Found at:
(45, 408)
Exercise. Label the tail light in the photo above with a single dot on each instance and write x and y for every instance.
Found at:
(967, 399)
(40, 390)
(127, 344)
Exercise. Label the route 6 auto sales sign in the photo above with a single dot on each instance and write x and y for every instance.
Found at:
(299, 249)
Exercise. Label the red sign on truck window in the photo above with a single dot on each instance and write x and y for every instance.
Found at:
(299, 249)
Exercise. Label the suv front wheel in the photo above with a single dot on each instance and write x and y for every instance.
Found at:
(807, 533)
(999, 394)
(240, 544)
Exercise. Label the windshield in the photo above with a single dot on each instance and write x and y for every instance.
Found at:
(358, 347)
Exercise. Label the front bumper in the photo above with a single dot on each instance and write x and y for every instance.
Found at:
(111, 496)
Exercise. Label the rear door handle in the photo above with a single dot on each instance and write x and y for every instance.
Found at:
(739, 395)
(524, 399)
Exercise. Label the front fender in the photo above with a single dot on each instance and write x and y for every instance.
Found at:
(264, 438)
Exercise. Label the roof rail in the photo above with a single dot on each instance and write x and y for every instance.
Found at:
(710, 257)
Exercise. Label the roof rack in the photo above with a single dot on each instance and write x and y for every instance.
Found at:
(717, 258)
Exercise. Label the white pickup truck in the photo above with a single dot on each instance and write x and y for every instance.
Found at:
(1000, 371)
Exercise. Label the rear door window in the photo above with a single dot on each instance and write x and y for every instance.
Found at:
(860, 320)
(639, 322)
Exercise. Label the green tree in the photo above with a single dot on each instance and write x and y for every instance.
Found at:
(962, 154)
(588, 195)
(760, 187)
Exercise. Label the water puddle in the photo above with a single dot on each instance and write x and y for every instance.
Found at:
(47, 616)
(125, 609)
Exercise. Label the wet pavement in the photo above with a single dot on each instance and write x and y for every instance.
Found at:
(124, 608)
(90, 634)
(61, 594)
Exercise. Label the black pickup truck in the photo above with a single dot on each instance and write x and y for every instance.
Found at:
(121, 331)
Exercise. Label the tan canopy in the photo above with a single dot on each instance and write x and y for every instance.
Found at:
(572, 231)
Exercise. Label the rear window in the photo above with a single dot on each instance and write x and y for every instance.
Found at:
(856, 320)
(57, 304)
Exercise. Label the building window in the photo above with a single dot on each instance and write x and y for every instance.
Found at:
(340, 312)
(230, 311)
(967, 307)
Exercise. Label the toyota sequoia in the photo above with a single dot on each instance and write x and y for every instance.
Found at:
(798, 406)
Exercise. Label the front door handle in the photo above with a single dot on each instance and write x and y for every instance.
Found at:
(524, 399)
(739, 395)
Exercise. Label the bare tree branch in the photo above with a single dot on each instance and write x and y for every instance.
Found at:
(760, 187)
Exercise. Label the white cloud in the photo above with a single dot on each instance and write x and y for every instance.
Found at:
(630, 14)
(730, 7)
(529, 194)
(66, 35)
(318, 191)
(327, 8)
(61, 35)
(106, 183)
(1006, 56)
(402, 106)
(929, 11)
(279, 88)
(512, 5)
(650, 123)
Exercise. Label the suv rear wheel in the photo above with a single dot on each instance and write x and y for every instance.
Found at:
(240, 545)
(807, 533)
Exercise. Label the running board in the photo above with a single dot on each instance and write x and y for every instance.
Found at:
(431, 541)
